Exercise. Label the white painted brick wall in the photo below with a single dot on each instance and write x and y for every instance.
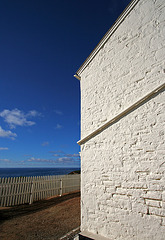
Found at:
(123, 181)
(128, 66)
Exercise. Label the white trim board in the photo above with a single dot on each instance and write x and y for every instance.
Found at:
(122, 114)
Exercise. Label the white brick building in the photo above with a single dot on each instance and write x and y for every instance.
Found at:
(122, 128)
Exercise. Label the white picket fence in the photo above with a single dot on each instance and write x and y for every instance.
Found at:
(20, 190)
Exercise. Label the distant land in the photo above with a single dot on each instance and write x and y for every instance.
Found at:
(75, 172)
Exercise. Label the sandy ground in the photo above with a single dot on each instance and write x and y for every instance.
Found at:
(46, 219)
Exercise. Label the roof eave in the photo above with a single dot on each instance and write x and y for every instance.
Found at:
(109, 33)
(77, 76)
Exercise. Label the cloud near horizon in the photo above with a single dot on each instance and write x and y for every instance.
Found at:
(41, 160)
(3, 148)
(73, 155)
(65, 160)
(58, 126)
(63, 156)
(58, 112)
(54, 161)
(5, 160)
(45, 144)
(57, 152)
(7, 134)
(17, 117)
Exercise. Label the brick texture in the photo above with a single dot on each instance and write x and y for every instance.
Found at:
(123, 191)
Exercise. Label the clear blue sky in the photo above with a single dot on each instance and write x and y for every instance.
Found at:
(42, 44)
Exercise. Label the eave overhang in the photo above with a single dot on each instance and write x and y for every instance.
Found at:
(109, 33)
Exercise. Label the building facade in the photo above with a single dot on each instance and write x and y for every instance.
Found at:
(122, 128)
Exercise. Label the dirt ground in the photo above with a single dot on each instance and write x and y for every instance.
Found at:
(47, 219)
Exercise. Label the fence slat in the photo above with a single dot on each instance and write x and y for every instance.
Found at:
(21, 190)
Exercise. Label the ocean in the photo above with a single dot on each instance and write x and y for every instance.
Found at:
(30, 172)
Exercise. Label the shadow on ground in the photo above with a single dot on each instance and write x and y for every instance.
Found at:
(26, 209)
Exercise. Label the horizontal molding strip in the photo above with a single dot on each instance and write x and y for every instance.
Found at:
(122, 114)
(109, 33)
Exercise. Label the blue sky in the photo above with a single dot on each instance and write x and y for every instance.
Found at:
(42, 45)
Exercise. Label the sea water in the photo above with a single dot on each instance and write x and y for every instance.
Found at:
(30, 172)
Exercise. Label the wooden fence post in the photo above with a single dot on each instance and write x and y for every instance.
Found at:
(31, 194)
(60, 187)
